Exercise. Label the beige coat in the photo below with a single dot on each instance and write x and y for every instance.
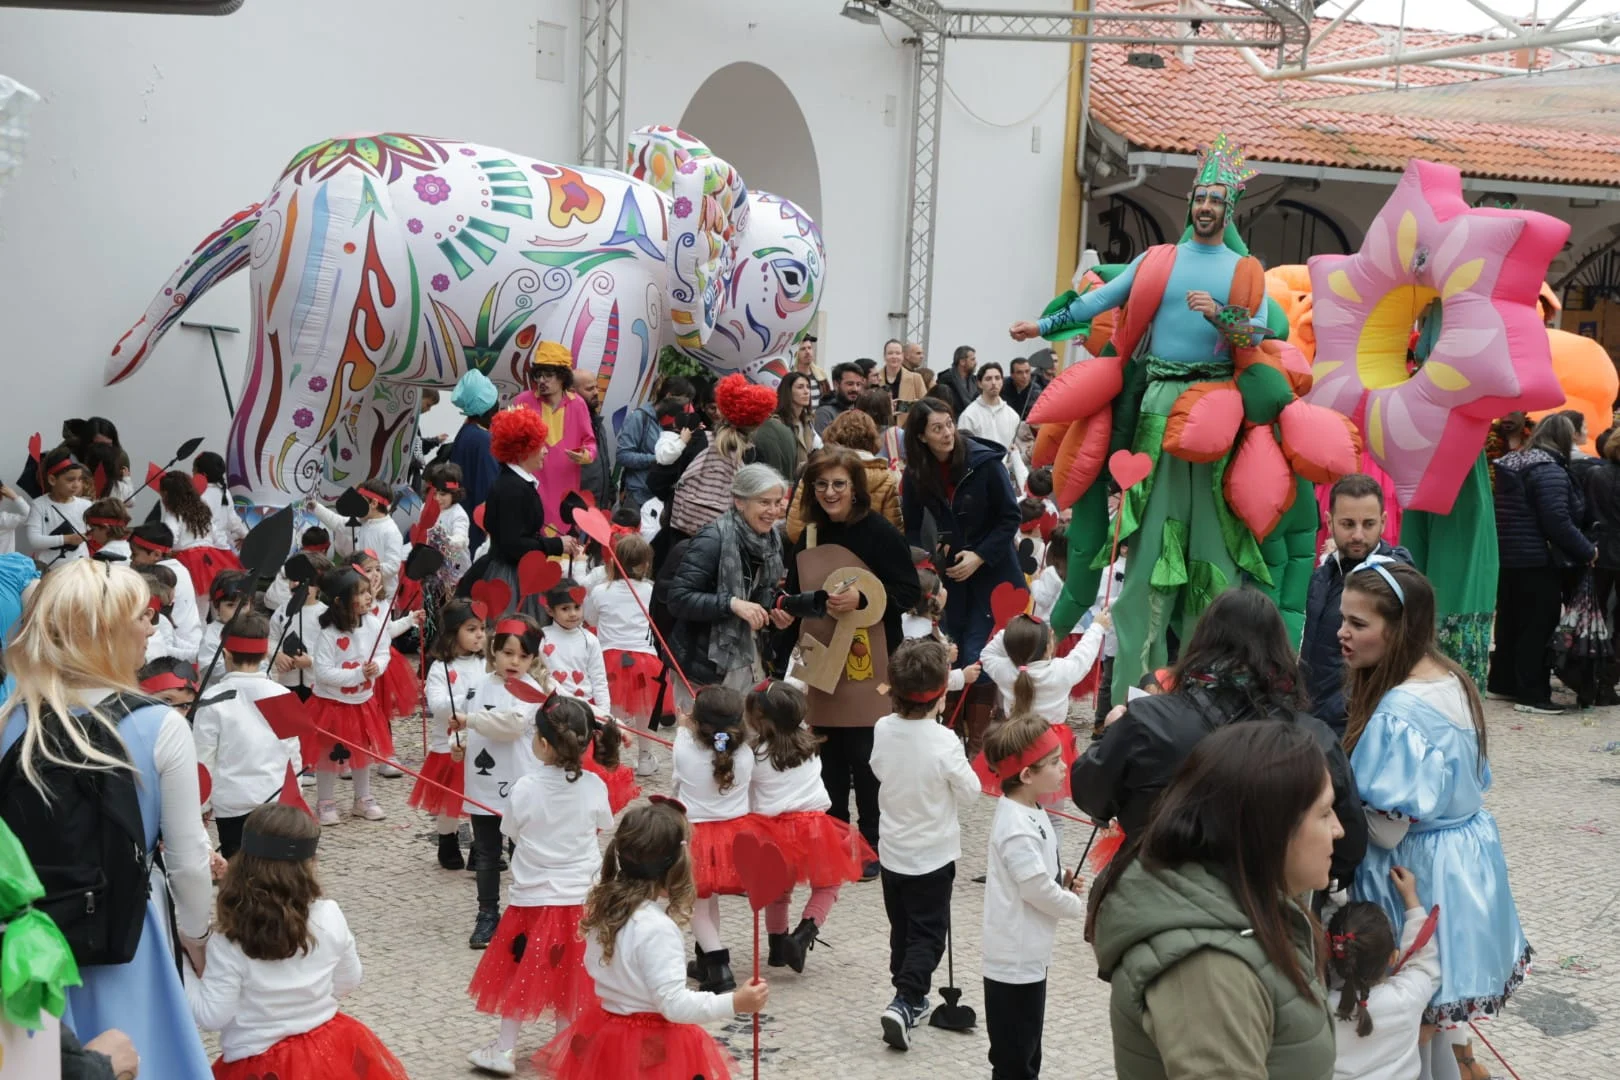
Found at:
(882, 484)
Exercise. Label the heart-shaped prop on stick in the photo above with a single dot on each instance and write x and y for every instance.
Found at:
(766, 877)
(496, 596)
(536, 573)
(524, 692)
(477, 515)
(205, 783)
(1129, 469)
(1006, 601)
(430, 516)
(594, 524)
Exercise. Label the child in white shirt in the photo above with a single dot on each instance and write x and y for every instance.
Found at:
(615, 608)
(923, 779)
(455, 675)
(376, 532)
(452, 529)
(292, 632)
(149, 546)
(1048, 584)
(280, 961)
(55, 530)
(1022, 898)
(14, 508)
(572, 656)
(1382, 990)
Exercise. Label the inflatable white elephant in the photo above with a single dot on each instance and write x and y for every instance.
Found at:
(385, 263)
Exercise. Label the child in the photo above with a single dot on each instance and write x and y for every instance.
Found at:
(1108, 586)
(573, 659)
(376, 532)
(244, 758)
(107, 528)
(56, 529)
(1382, 990)
(295, 631)
(923, 778)
(343, 701)
(151, 545)
(633, 667)
(536, 961)
(170, 680)
(160, 583)
(314, 541)
(499, 729)
(227, 592)
(229, 528)
(1039, 486)
(191, 521)
(455, 675)
(674, 437)
(787, 792)
(398, 691)
(922, 623)
(14, 508)
(280, 961)
(1022, 898)
(451, 531)
(1030, 543)
(1048, 584)
(647, 1023)
(713, 769)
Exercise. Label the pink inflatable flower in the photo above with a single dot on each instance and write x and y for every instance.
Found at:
(1484, 268)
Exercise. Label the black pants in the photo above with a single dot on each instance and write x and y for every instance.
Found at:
(1013, 1016)
(919, 910)
(846, 760)
(230, 834)
(486, 858)
(1528, 604)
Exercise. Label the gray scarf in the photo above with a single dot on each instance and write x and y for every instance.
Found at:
(748, 561)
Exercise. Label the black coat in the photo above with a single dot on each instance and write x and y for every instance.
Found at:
(961, 391)
(885, 552)
(1319, 652)
(1538, 512)
(1603, 507)
(514, 517)
(1119, 776)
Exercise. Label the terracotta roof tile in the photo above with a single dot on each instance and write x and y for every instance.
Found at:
(1179, 107)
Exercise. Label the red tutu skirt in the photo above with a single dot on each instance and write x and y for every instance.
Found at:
(713, 869)
(634, 689)
(446, 773)
(360, 728)
(398, 690)
(341, 1048)
(621, 781)
(204, 564)
(822, 850)
(535, 963)
(601, 1044)
(991, 786)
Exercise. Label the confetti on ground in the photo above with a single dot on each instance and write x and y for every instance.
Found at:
(1575, 965)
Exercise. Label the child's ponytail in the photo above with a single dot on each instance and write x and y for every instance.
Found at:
(1026, 640)
(1360, 941)
(717, 713)
(565, 724)
(608, 741)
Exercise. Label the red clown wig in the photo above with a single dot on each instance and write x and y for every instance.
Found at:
(515, 434)
(744, 404)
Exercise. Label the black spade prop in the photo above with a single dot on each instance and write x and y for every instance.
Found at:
(352, 504)
(952, 1015)
(422, 562)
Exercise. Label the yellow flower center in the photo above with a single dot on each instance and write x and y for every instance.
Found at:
(1381, 348)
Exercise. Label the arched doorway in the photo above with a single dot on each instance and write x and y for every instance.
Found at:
(1288, 232)
(748, 116)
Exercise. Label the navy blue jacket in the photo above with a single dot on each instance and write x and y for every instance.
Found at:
(1538, 511)
(1603, 501)
(1319, 652)
(470, 452)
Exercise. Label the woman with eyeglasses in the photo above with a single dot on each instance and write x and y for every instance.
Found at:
(842, 533)
(960, 483)
(1416, 736)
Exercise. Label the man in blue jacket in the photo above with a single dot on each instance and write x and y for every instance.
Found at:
(639, 437)
(1356, 510)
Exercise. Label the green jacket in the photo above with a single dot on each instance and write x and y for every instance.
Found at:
(1193, 992)
(775, 445)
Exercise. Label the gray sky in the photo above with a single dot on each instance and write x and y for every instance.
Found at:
(1458, 16)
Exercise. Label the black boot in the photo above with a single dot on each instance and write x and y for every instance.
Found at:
(777, 942)
(717, 977)
(450, 856)
(694, 968)
(484, 929)
(801, 941)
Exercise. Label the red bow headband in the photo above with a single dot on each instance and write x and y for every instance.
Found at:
(373, 497)
(62, 466)
(107, 522)
(247, 645)
(1008, 768)
(927, 696)
(164, 680)
(450, 485)
(617, 532)
(512, 626)
(149, 545)
(319, 549)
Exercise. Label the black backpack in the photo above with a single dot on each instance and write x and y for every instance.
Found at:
(85, 837)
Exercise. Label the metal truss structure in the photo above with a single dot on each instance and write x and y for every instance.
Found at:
(601, 82)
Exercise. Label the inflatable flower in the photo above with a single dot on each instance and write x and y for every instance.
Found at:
(1484, 269)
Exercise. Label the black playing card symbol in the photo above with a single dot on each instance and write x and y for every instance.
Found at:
(483, 762)
(1026, 556)
(519, 943)
(556, 954)
(339, 753)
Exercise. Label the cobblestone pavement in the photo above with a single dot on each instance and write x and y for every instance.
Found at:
(1556, 797)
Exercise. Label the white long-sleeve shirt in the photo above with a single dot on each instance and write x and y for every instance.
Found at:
(923, 779)
(254, 1004)
(1396, 1006)
(451, 534)
(185, 538)
(303, 624)
(1053, 678)
(554, 823)
(340, 659)
(161, 644)
(188, 624)
(229, 528)
(1044, 592)
(648, 971)
(1022, 898)
(46, 515)
(235, 743)
(451, 691)
(379, 535)
(999, 424)
(611, 607)
(694, 782)
(574, 660)
(500, 744)
(13, 516)
(773, 791)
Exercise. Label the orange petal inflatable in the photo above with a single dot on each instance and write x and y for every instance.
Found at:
(1588, 379)
(1290, 287)
(1204, 421)
(1047, 440)
(1081, 390)
(1080, 458)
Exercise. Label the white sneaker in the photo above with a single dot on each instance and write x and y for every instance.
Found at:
(326, 811)
(388, 772)
(306, 778)
(368, 809)
(491, 1060)
(646, 762)
(345, 771)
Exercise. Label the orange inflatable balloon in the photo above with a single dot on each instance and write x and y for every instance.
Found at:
(1290, 287)
(1589, 381)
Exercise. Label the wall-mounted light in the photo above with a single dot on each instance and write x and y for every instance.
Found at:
(859, 13)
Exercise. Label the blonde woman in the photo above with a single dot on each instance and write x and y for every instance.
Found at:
(80, 641)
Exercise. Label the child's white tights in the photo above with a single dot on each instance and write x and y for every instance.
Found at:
(706, 923)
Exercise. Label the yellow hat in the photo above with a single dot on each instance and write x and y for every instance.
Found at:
(551, 354)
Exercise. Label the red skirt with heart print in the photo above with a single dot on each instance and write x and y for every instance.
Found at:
(535, 963)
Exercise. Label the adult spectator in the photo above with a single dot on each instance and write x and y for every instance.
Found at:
(1203, 908)
(726, 588)
(571, 439)
(804, 362)
(108, 1056)
(74, 656)
(1581, 463)
(1603, 500)
(775, 443)
(1356, 520)
(477, 399)
(1538, 511)
(992, 419)
(639, 437)
(1022, 390)
(957, 386)
(915, 361)
(869, 368)
(960, 484)
(840, 509)
(795, 412)
(901, 383)
(855, 432)
(849, 382)
(1237, 666)
(595, 476)
(891, 437)
(703, 491)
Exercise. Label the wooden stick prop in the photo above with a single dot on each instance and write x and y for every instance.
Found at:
(766, 877)
(594, 523)
(1128, 470)
(422, 562)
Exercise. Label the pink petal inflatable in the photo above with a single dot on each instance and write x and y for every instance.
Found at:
(1259, 486)
(1080, 390)
(1204, 421)
(1087, 458)
(1320, 444)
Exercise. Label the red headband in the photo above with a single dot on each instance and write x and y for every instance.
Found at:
(149, 545)
(164, 680)
(512, 626)
(450, 485)
(61, 466)
(247, 645)
(372, 555)
(154, 604)
(319, 549)
(1008, 768)
(108, 522)
(927, 696)
(372, 496)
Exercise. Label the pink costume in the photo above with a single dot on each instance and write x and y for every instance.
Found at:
(568, 427)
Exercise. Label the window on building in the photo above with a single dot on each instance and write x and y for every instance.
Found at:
(1288, 232)
(1122, 229)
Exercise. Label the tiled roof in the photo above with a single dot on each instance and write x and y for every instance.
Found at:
(1179, 107)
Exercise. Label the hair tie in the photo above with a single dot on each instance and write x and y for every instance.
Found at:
(1023, 668)
(722, 741)
(763, 685)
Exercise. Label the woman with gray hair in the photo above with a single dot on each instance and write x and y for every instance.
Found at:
(727, 587)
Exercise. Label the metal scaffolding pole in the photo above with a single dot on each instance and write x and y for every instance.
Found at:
(927, 84)
(601, 82)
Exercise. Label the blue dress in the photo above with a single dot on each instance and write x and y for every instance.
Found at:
(1419, 757)
(144, 998)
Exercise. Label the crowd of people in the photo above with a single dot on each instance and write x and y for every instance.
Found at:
(1260, 787)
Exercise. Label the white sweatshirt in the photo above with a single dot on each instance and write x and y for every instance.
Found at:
(305, 624)
(379, 535)
(451, 691)
(611, 607)
(184, 538)
(648, 971)
(13, 516)
(229, 528)
(500, 744)
(1396, 1006)
(188, 624)
(694, 782)
(236, 745)
(554, 823)
(574, 660)
(773, 791)
(1053, 678)
(1022, 898)
(923, 779)
(450, 534)
(46, 515)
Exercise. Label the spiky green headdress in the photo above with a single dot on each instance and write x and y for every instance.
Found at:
(1222, 162)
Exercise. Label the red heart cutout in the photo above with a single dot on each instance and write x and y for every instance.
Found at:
(205, 783)
(536, 573)
(478, 515)
(765, 874)
(285, 715)
(555, 954)
(198, 481)
(36, 446)
(594, 524)
(524, 692)
(342, 643)
(548, 648)
(452, 678)
(430, 515)
(153, 474)
(1007, 600)
(480, 609)
(1129, 469)
(577, 594)
(496, 597)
